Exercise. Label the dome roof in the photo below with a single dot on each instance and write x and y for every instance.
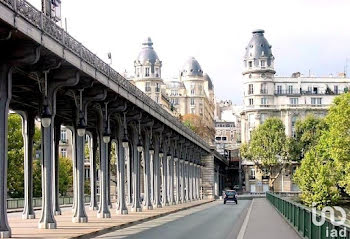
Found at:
(210, 83)
(192, 68)
(258, 47)
(147, 52)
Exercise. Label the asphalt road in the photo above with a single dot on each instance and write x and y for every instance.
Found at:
(212, 221)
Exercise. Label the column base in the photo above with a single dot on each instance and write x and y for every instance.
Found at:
(149, 207)
(28, 216)
(104, 215)
(5, 234)
(158, 206)
(79, 219)
(138, 209)
(173, 203)
(58, 213)
(123, 212)
(47, 225)
(93, 208)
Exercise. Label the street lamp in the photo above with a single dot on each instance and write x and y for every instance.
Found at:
(151, 147)
(45, 114)
(82, 125)
(125, 140)
(106, 135)
(139, 143)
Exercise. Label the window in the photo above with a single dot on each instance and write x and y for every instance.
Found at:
(279, 89)
(157, 71)
(251, 121)
(157, 87)
(250, 89)
(63, 152)
(251, 101)
(315, 91)
(294, 120)
(192, 91)
(137, 72)
(148, 86)
(290, 89)
(217, 138)
(250, 63)
(147, 71)
(263, 88)
(316, 101)
(156, 98)
(174, 101)
(252, 173)
(263, 63)
(263, 118)
(336, 90)
(193, 111)
(264, 101)
(64, 135)
(192, 101)
(293, 101)
(200, 89)
(224, 138)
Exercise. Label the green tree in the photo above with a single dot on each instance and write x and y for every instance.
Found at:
(268, 147)
(308, 132)
(317, 179)
(65, 175)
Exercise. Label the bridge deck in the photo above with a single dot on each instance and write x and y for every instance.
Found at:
(67, 229)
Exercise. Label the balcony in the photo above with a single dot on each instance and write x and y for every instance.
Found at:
(263, 91)
(307, 92)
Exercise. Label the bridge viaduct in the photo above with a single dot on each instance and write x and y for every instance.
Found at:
(46, 74)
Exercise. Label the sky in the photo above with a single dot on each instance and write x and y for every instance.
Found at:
(306, 35)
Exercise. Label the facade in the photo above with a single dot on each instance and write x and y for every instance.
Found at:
(228, 139)
(148, 75)
(191, 93)
(289, 98)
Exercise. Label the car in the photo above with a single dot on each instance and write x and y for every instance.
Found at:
(230, 195)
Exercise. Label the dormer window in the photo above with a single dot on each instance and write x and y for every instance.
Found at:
(147, 71)
(262, 63)
(250, 63)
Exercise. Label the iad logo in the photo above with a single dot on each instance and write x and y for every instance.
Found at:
(331, 210)
(331, 213)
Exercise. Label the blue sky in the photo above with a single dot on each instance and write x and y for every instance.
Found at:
(305, 34)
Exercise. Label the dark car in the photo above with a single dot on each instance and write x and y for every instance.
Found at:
(230, 195)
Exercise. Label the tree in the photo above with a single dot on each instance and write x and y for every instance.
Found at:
(317, 179)
(268, 147)
(197, 124)
(308, 132)
(65, 175)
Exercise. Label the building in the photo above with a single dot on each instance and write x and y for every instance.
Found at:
(289, 98)
(148, 75)
(191, 93)
(228, 139)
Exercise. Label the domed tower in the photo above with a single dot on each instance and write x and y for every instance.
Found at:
(191, 75)
(258, 81)
(148, 71)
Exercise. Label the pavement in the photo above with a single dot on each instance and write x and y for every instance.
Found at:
(264, 222)
(209, 221)
(95, 226)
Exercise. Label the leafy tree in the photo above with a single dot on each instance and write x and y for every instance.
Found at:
(317, 179)
(196, 124)
(65, 175)
(268, 147)
(308, 132)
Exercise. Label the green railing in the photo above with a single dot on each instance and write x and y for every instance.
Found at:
(300, 217)
(14, 203)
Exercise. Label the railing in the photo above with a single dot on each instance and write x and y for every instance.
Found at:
(307, 92)
(14, 203)
(45, 24)
(300, 217)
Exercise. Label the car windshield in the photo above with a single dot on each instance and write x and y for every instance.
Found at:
(230, 193)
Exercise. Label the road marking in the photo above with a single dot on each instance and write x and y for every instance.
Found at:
(245, 223)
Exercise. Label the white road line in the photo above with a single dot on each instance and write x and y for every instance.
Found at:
(245, 223)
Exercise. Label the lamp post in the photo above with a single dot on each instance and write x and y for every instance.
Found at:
(45, 113)
(82, 125)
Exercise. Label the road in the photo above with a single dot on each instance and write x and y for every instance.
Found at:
(213, 220)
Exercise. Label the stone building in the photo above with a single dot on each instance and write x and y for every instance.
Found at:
(289, 98)
(191, 93)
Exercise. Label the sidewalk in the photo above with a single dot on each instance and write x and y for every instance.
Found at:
(265, 222)
(67, 229)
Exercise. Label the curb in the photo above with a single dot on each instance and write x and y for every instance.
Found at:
(129, 224)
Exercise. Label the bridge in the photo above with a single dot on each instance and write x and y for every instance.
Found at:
(46, 74)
